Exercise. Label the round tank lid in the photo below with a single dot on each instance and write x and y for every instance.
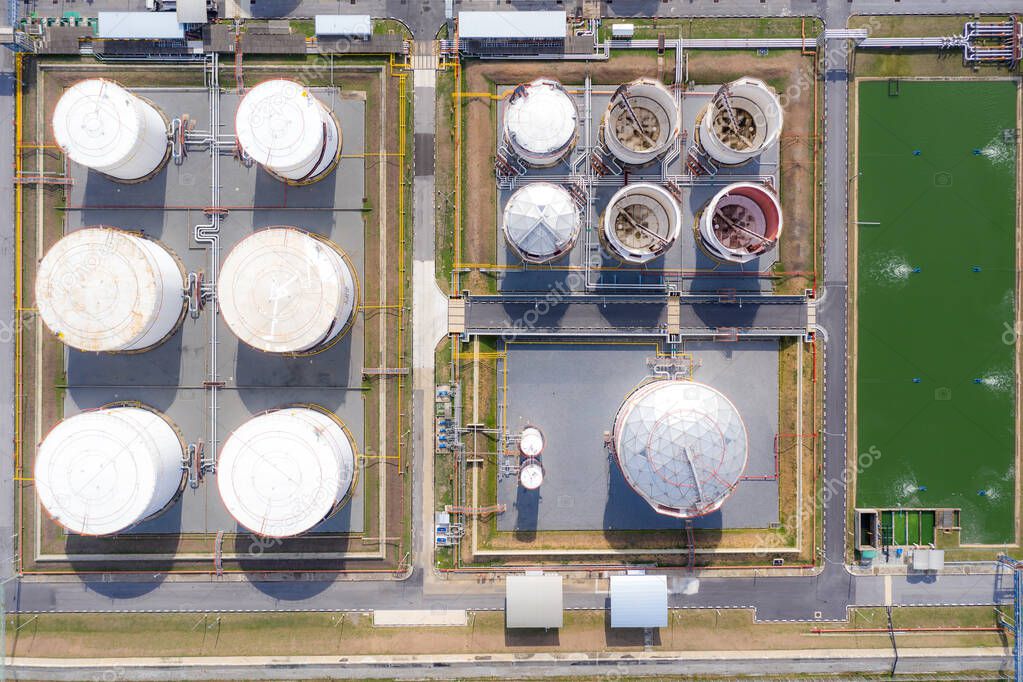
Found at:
(279, 123)
(96, 122)
(98, 289)
(543, 119)
(531, 476)
(96, 472)
(531, 442)
(281, 473)
(281, 290)
(541, 219)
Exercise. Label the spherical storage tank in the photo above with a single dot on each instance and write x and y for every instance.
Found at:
(641, 122)
(102, 472)
(104, 127)
(641, 222)
(681, 445)
(741, 222)
(750, 123)
(283, 126)
(283, 472)
(282, 290)
(103, 289)
(541, 222)
(540, 122)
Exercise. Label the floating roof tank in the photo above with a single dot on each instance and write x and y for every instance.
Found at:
(541, 222)
(102, 472)
(283, 126)
(742, 120)
(641, 222)
(540, 122)
(283, 472)
(104, 127)
(282, 290)
(103, 289)
(681, 445)
(742, 221)
(641, 122)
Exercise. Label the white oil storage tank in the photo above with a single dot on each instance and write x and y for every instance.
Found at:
(740, 122)
(283, 126)
(282, 472)
(641, 122)
(104, 471)
(541, 122)
(109, 290)
(641, 222)
(282, 290)
(541, 222)
(102, 126)
(741, 222)
(531, 442)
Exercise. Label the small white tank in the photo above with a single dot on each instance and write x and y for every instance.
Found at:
(540, 122)
(641, 222)
(530, 473)
(281, 290)
(281, 473)
(531, 442)
(107, 290)
(102, 472)
(541, 222)
(641, 122)
(753, 125)
(104, 127)
(281, 125)
(741, 222)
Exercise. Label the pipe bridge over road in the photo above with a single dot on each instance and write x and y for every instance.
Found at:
(671, 316)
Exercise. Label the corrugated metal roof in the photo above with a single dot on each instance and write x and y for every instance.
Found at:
(191, 11)
(639, 601)
(537, 25)
(139, 25)
(344, 25)
(534, 601)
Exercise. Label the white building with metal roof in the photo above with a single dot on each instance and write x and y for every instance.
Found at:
(639, 601)
(534, 601)
(140, 26)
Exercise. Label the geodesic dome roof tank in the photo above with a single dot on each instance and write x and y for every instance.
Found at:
(641, 122)
(281, 125)
(540, 122)
(541, 222)
(102, 126)
(103, 289)
(102, 472)
(281, 473)
(681, 445)
(741, 222)
(282, 290)
(641, 222)
(742, 120)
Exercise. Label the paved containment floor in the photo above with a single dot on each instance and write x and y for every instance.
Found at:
(936, 303)
(572, 392)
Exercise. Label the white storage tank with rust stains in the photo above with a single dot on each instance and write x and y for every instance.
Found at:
(541, 122)
(740, 122)
(541, 222)
(641, 222)
(282, 290)
(102, 126)
(642, 121)
(741, 222)
(531, 442)
(282, 472)
(107, 290)
(283, 126)
(104, 471)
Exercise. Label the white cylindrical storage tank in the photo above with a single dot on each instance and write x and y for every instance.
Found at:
(281, 473)
(531, 442)
(541, 222)
(641, 222)
(102, 472)
(681, 445)
(103, 289)
(540, 122)
(742, 222)
(530, 473)
(753, 125)
(282, 290)
(641, 122)
(281, 125)
(104, 127)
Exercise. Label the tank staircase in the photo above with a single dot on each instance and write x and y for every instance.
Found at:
(507, 168)
(698, 163)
